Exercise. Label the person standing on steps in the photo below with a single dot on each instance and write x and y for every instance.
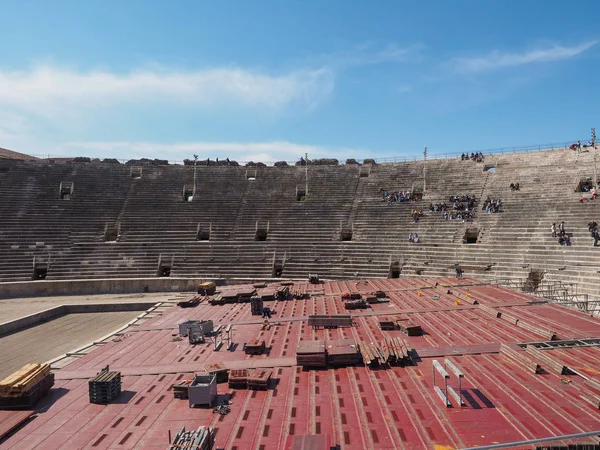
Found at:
(553, 229)
(561, 228)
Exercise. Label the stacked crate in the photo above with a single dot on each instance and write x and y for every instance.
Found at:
(238, 378)
(256, 306)
(105, 387)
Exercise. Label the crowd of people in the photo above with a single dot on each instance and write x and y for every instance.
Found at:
(474, 156)
(416, 214)
(561, 234)
(414, 237)
(591, 190)
(492, 205)
(397, 196)
(458, 215)
(577, 145)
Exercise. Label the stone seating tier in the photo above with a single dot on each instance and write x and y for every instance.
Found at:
(155, 221)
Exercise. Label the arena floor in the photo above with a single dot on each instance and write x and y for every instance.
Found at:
(57, 337)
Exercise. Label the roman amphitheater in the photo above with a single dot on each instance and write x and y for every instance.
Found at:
(484, 334)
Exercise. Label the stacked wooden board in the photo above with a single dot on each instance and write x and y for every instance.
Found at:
(105, 387)
(342, 352)
(259, 379)
(25, 387)
(311, 354)
(391, 351)
(238, 378)
(181, 389)
(396, 351)
(335, 321)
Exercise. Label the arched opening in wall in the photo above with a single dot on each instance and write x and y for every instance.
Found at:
(251, 173)
(188, 193)
(164, 270)
(417, 189)
(261, 234)
(135, 172)
(164, 267)
(40, 271)
(300, 193)
(471, 235)
(111, 232)
(346, 234)
(203, 234)
(277, 270)
(491, 168)
(585, 184)
(395, 270)
(66, 190)
(533, 281)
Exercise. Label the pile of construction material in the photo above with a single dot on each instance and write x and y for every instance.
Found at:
(255, 347)
(190, 302)
(24, 388)
(219, 370)
(334, 321)
(201, 439)
(238, 378)
(342, 352)
(311, 354)
(392, 351)
(105, 387)
(259, 379)
(202, 390)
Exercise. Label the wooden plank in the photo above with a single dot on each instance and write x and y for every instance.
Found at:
(9, 420)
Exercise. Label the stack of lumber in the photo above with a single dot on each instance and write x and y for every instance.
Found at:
(520, 358)
(540, 331)
(105, 387)
(255, 347)
(342, 352)
(23, 380)
(371, 354)
(181, 389)
(547, 361)
(311, 354)
(259, 379)
(335, 321)
(24, 388)
(201, 439)
(396, 351)
(238, 378)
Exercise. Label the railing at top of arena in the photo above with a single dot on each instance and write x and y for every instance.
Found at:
(389, 159)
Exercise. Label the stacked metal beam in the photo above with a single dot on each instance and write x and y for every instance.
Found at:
(201, 439)
(105, 387)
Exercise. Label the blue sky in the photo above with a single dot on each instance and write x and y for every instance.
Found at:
(271, 80)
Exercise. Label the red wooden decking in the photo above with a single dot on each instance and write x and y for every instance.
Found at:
(359, 408)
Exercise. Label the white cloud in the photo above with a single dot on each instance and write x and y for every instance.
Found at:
(250, 151)
(368, 55)
(50, 90)
(498, 59)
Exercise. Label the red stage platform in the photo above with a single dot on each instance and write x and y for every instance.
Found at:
(356, 407)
